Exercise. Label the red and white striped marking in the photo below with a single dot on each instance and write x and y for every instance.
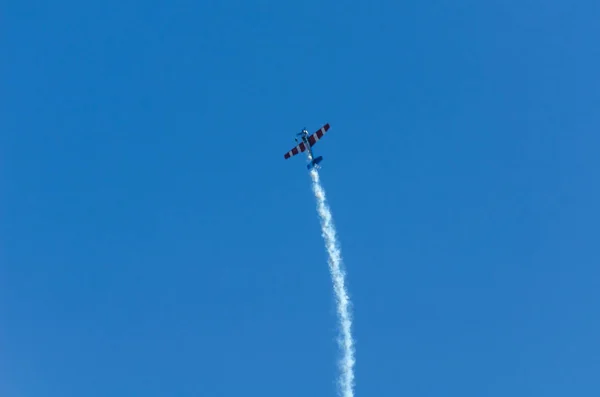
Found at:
(298, 149)
(314, 138)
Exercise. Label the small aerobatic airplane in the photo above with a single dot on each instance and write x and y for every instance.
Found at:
(307, 143)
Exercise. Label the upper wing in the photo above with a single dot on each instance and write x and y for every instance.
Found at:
(298, 149)
(314, 138)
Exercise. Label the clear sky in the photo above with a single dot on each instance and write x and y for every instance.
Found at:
(154, 242)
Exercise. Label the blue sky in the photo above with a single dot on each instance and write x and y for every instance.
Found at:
(153, 240)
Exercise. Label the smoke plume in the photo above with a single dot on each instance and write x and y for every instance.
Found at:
(345, 341)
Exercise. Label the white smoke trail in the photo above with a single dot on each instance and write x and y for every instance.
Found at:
(345, 341)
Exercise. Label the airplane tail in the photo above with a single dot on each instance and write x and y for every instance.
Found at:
(314, 163)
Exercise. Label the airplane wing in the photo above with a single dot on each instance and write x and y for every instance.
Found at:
(314, 138)
(298, 149)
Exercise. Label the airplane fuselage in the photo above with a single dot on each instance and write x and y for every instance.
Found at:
(304, 135)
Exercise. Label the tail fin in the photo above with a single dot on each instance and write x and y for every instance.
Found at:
(314, 163)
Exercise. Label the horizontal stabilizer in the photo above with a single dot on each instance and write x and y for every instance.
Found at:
(314, 163)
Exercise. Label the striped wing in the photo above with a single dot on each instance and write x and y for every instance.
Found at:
(298, 149)
(314, 138)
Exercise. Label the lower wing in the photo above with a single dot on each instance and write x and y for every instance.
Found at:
(298, 149)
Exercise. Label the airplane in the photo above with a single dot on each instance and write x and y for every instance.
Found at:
(307, 143)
